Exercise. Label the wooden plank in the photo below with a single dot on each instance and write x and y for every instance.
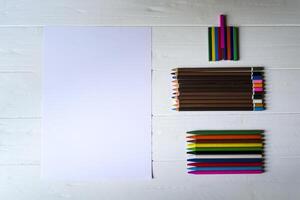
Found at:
(171, 182)
(20, 49)
(271, 47)
(20, 142)
(281, 133)
(174, 171)
(282, 95)
(20, 95)
(145, 12)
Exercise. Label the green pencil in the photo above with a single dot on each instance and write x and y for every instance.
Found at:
(235, 43)
(226, 149)
(209, 44)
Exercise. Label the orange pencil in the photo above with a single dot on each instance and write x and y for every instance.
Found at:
(257, 85)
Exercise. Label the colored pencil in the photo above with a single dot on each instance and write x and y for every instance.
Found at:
(222, 24)
(220, 132)
(218, 109)
(225, 168)
(225, 145)
(231, 43)
(209, 44)
(227, 156)
(229, 47)
(213, 47)
(226, 149)
(217, 151)
(217, 43)
(218, 89)
(224, 137)
(226, 69)
(222, 152)
(221, 160)
(235, 43)
(225, 164)
(226, 141)
(228, 172)
(223, 41)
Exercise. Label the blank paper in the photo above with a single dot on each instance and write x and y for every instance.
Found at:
(96, 115)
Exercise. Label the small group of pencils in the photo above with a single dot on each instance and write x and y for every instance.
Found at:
(225, 152)
(223, 42)
(218, 89)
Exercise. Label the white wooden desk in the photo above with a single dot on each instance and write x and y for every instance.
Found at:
(269, 37)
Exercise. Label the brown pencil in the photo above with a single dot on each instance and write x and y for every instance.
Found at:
(211, 101)
(248, 74)
(216, 89)
(211, 77)
(213, 105)
(192, 97)
(226, 69)
(209, 81)
(213, 86)
(213, 93)
(216, 109)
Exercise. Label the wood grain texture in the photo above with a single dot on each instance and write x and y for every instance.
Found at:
(20, 49)
(145, 12)
(266, 43)
(270, 47)
(282, 94)
(278, 133)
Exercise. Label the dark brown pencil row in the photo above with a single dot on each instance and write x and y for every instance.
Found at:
(204, 89)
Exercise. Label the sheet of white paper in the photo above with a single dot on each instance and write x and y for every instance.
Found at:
(96, 121)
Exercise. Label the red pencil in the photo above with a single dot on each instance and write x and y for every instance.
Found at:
(228, 43)
(220, 53)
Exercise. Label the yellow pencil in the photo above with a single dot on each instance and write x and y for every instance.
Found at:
(213, 55)
(226, 145)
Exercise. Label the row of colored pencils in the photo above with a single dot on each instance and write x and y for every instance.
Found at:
(218, 89)
(225, 152)
(223, 42)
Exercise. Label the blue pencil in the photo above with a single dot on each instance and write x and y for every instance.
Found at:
(258, 108)
(217, 43)
(225, 45)
(218, 160)
(257, 77)
(231, 43)
(223, 168)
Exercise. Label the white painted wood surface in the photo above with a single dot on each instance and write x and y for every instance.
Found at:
(146, 12)
(269, 36)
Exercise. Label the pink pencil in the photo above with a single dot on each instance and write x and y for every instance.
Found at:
(227, 172)
(258, 89)
(257, 81)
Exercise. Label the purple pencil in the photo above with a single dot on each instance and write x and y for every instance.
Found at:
(223, 37)
(227, 172)
(222, 23)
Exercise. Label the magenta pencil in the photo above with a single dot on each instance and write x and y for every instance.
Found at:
(227, 172)
(222, 23)
(258, 89)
